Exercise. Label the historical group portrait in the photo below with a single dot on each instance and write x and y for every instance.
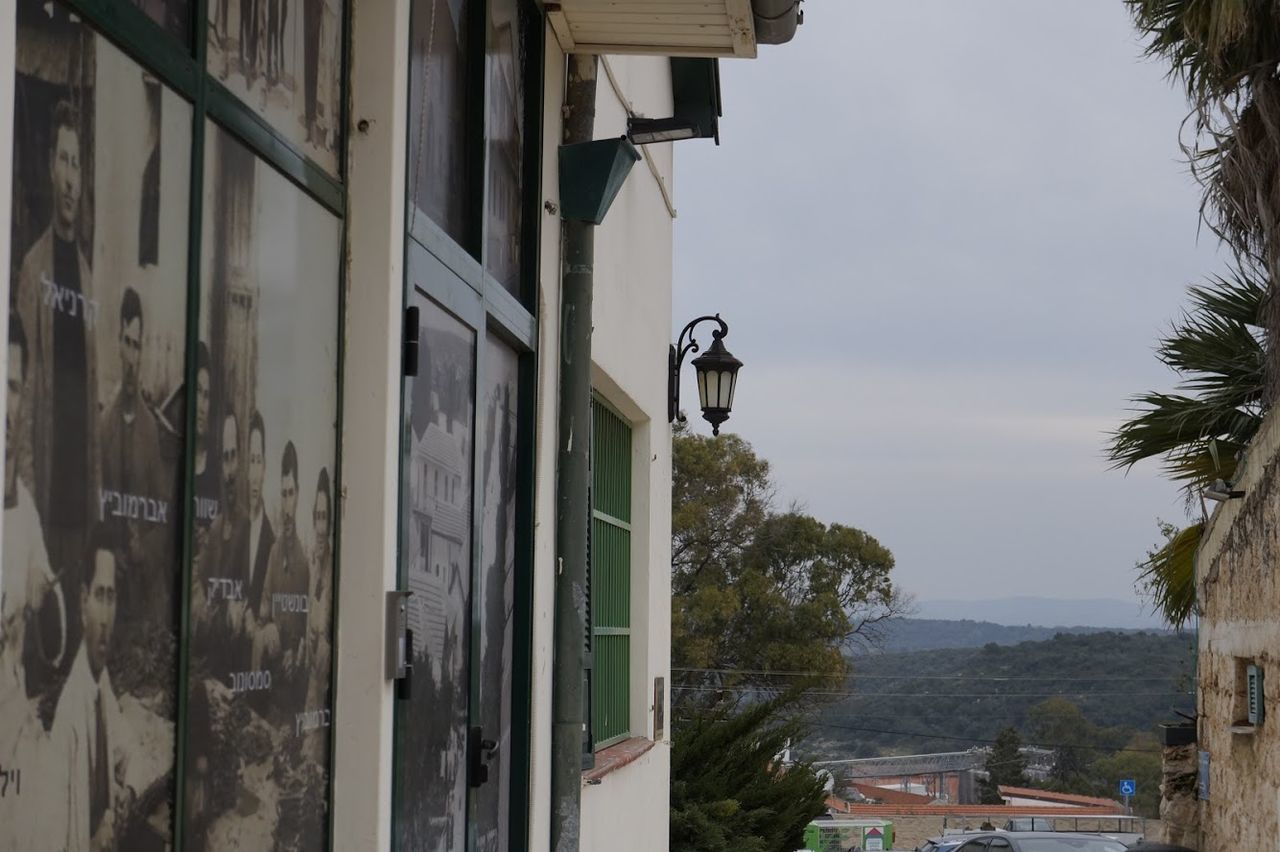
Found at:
(90, 570)
(259, 703)
(283, 58)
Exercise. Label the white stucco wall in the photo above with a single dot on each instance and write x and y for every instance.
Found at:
(628, 808)
(371, 423)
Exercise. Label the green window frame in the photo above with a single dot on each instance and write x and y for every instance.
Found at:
(180, 64)
(609, 581)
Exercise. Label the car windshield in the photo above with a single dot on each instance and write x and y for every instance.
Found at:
(1069, 844)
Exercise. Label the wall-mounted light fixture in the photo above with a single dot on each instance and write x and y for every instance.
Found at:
(695, 97)
(1221, 491)
(717, 373)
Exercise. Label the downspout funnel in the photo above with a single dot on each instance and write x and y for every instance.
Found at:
(591, 176)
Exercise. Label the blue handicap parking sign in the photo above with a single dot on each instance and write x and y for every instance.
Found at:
(1128, 787)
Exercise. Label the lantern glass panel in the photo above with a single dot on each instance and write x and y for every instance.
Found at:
(711, 379)
(728, 384)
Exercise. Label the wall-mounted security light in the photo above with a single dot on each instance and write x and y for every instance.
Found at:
(695, 96)
(717, 373)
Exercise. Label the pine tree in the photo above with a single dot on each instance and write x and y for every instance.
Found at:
(1005, 767)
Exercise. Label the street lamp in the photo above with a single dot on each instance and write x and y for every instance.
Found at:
(717, 374)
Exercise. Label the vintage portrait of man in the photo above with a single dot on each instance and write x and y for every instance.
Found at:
(320, 618)
(55, 300)
(135, 488)
(218, 591)
(281, 645)
(262, 537)
(88, 726)
(27, 587)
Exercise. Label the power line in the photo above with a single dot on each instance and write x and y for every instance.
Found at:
(981, 740)
(852, 694)
(855, 676)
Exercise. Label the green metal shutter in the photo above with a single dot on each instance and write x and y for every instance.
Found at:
(610, 582)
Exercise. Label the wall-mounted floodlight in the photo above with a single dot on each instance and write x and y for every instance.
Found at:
(695, 97)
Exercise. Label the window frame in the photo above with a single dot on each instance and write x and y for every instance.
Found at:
(453, 275)
(182, 67)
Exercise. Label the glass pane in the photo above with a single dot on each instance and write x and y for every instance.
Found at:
(505, 130)
(438, 161)
(496, 586)
(283, 58)
(262, 575)
(173, 15)
(432, 785)
(93, 444)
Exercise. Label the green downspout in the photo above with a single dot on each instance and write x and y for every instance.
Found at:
(572, 619)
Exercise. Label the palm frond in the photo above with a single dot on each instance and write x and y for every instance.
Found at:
(1216, 349)
(1168, 575)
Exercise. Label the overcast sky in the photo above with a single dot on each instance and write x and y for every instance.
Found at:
(946, 236)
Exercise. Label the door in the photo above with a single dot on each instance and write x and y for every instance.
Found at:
(458, 531)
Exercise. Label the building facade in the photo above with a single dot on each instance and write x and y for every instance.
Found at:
(1223, 791)
(283, 443)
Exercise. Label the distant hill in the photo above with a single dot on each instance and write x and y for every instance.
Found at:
(923, 634)
(951, 699)
(1045, 612)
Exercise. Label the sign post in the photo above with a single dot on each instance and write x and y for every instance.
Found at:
(1128, 788)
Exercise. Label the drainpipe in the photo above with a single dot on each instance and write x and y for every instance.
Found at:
(572, 618)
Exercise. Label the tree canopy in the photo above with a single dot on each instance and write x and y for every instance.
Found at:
(1005, 767)
(759, 594)
(729, 790)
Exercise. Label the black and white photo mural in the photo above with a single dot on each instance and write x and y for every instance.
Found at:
(436, 528)
(259, 704)
(283, 58)
(90, 576)
(173, 15)
(495, 587)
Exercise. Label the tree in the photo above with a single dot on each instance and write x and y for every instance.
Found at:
(1138, 761)
(729, 792)
(1005, 767)
(758, 595)
(1058, 724)
(1226, 53)
(1217, 351)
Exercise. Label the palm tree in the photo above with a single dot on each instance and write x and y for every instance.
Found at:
(1199, 431)
(1226, 53)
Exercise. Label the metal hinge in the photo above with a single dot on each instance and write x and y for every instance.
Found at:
(412, 332)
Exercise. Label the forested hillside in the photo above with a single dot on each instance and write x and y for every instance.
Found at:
(951, 699)
(922, 634)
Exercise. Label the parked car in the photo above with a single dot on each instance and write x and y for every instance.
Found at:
(1039, 841)
(949, 843)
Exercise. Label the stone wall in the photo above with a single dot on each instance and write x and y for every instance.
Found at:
(1179, 809)
(1239, 596)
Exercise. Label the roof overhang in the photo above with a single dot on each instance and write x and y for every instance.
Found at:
(700, 28)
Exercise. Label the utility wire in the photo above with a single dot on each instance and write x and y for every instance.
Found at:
(852, 694)
(855, 676)
(981, 740)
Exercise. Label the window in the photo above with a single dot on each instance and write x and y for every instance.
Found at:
(610, 577)
(168, 319)
(1249, 710)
